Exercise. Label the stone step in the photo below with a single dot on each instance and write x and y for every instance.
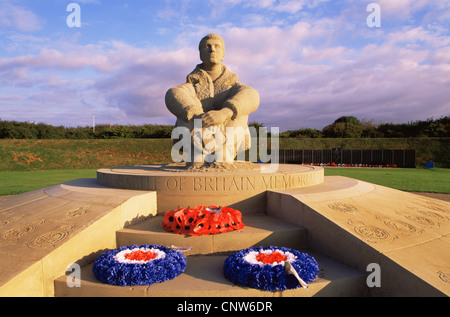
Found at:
(204, 277)
(259, 230)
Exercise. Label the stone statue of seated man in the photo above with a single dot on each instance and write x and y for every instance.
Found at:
(213, 97)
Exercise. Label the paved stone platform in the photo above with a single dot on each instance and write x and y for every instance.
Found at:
(44, 231)
(359, 223)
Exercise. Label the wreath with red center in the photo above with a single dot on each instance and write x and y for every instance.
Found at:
(139, 265)
(271, 268)
(201, 220)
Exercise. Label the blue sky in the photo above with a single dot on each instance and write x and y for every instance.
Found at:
(312, 61)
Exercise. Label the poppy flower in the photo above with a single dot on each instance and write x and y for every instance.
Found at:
(198, 208)
(178, 220)
(236, 218)
(221, 223)
(168, 220)
(206, 213)
(202, 226)
(189, 220)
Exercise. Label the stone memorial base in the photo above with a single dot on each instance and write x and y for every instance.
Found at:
(241, 185)
(368, 240)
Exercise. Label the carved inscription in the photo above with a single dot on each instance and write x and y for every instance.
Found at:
(215, 184)
(370, 233)
(17, 233)
(434, 215)
(430, 215)
(230, 183)
(439, 207)
(5, 222)
(398, 225)
(174, 183)
(77, 212)
(445, 277)
(50, 239)
(420, 220)
(343, 207)
(423, 221)
(10, 220)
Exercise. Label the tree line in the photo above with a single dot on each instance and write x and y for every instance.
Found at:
(28, 130)
(351, 127)
(343, 127)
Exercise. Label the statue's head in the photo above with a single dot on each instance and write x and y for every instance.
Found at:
(212, 49)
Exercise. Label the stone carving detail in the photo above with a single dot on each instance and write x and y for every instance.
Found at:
(9, 221)
(343, 207)
(398, 225)
(50, 239)
(423, 221)
(370, 233)
(434, 215)
(445, 277)
(17, 233)
(78, 212)
(436, 207)
(5, 222)
(427, 215)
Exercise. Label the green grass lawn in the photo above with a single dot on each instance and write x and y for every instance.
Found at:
(436, 180)
(13, 183)
(432, 180)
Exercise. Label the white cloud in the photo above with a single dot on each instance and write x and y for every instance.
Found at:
(290, 7)
(16, 17)
(308, 73)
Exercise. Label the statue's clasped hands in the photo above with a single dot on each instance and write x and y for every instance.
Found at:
(216, 117)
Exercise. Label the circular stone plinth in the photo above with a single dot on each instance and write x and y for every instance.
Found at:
(177, 185)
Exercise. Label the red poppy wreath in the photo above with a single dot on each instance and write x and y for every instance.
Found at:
(202, 220)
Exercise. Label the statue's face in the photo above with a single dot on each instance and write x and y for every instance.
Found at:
(212, 52)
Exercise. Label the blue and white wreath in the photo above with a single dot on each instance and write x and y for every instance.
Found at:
(113, 267)
(297, 269)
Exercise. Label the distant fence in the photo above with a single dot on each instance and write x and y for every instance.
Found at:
(399, 158)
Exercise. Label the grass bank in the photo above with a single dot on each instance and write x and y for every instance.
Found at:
(28, 155)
